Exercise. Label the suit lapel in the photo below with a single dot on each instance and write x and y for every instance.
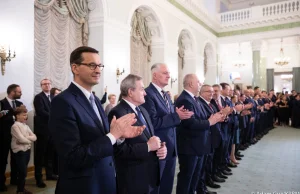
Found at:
(159, 96)
(138, 122)
(150, 127)
(83, 101)
(46, 99)
(102, 115)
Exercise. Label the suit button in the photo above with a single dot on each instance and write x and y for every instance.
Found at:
(110, 164)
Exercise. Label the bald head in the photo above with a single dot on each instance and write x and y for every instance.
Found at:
(247, 93)
(191, 83)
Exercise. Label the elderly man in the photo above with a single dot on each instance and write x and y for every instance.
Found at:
(194, 137)
(164, 118)
(137, 159)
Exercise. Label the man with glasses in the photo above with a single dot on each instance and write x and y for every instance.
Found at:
(81, 132)
(44, 152)
(7, 105)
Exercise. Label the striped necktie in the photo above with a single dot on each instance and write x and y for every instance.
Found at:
(166, 99)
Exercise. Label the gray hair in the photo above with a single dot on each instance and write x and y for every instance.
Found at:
(129, 83)
(217, 85)
(187, 79)
(155, 67)
(203, 87)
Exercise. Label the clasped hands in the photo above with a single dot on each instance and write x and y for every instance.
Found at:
(155, 144)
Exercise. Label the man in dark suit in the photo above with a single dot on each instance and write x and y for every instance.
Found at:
(137, 159)
(194, 138)
(80, 131)
(164, 118)
(210, 108)
(44, 153)
(7, 105)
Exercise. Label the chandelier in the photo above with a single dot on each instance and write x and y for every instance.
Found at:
(239, 63)
(281, 60)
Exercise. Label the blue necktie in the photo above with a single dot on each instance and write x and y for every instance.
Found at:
(93, 104)
(166, 99)
(140, 116)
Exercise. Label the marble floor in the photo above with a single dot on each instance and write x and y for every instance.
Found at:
(270, 166)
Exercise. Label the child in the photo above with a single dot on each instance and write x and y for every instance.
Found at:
(22, 138)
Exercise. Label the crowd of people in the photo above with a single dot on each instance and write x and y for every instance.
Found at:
(132, 145)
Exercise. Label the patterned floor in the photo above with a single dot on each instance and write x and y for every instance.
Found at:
(270, 166)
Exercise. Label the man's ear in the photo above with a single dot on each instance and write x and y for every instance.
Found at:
(74, 69)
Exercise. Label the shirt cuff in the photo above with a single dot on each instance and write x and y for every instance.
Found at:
(112, 138)
(148, 147)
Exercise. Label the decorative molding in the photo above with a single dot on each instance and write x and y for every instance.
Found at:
(218, 33)
(193, 16)
(260, 29)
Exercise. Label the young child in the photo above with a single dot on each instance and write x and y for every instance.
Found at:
(22, 138)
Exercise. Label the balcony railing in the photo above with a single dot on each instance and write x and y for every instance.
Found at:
(281, 10)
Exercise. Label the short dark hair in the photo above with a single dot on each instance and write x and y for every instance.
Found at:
(11, 88)
(256, 87)
(249, 87)
(53, 90)
(76, 56)
(223, 85)
(272, 90)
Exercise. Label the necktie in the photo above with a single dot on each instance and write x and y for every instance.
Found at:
(14, 104)
(219, 106)
(166, 99)
(196, 99)
(49, 98)
(140, 116)
(93, 104)
(212, 109)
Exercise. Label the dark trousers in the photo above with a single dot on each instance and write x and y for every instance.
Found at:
(5, 144)
(43, 157)
(206, 166)
(167, 172)
(22, 159)
(190, 169)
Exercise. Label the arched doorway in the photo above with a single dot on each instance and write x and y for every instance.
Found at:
(146, 42)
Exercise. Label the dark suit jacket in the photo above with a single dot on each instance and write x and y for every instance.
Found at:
(215, 129)
(163, 120)
(194, 134)
(137, 169)
(42, 110)
(7, 120)
(85, 152)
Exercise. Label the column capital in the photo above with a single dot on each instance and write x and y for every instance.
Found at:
(256, 45)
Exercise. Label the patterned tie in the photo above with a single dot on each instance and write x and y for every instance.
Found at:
(166, 99)
(209, 104)
(140, 115)
(14, 104)
(93, 104)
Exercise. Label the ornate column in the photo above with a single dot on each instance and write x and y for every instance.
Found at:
(257, 75)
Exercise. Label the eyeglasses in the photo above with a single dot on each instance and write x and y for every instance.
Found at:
(46, 84)
(92, 66)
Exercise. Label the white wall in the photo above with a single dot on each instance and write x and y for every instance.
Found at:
(17, 30)
(116, 40)
(229, 54)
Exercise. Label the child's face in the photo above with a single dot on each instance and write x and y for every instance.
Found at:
(22, 117)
